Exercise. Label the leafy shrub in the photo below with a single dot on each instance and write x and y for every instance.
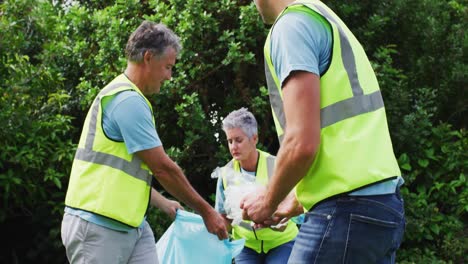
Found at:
(57, 55)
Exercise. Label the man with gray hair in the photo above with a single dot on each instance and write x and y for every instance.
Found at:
(267, 244)
(118, 155)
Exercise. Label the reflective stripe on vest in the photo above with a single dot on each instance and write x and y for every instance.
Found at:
(262, 239)
(132, 168)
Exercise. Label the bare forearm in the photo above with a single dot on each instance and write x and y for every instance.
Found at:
(169, 207)
(292, 165)
(301, 99)
(174, 181)
(171, 177)
(156, 198)
(177, 185)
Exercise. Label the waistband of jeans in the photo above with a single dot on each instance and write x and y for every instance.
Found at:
(346, 194)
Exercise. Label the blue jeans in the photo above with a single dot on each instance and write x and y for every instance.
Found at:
(351, 229)
(277, 255)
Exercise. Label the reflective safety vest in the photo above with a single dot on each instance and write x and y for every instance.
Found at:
(105, 179)
(264, 239)
(355, 148)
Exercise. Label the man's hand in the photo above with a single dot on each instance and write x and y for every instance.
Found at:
(289, 207)
(215, 223)
(167, 206)
(256, 208)
(170, 208)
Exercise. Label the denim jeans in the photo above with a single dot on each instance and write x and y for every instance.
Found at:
(351, 229)
(277, 255)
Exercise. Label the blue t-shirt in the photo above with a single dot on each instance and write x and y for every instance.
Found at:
(128, 118)
(303, 42)
(311, 42)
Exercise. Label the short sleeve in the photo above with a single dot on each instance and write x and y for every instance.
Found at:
(128, 118)
(300, 42)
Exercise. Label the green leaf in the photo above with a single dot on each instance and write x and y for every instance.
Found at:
(435, 228)
(421, 189)
(16, 180)
(423, 163)
(404, 162)
(428, 236)
(406, 166)
(57, 182)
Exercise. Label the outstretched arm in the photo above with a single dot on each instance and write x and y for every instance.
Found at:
(173, 180)
(169, 207)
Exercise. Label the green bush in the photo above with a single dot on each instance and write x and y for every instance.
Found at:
(436, 190)
(57, 55)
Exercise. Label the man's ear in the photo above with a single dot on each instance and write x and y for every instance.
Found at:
(147, 57)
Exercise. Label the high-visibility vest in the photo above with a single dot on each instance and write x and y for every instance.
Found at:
(355, 148)
(105, 179)
(265, 239)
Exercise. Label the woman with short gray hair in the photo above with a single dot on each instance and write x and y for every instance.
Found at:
(269, 244)
(241, 118)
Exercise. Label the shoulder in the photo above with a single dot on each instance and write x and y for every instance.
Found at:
(129, 96)
(130, 110)
(292, 23)
(300, 41)
(129, 102)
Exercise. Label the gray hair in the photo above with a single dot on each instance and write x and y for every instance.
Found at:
(152, 37)
(242, 119)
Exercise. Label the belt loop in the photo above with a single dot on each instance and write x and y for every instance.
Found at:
(397, 192)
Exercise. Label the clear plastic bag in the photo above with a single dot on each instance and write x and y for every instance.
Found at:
(188, 241)
(239, 185)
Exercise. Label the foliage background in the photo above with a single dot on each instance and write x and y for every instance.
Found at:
(56, 55)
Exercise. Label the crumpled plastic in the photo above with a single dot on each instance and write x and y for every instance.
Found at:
(188, 241)
(239, 185)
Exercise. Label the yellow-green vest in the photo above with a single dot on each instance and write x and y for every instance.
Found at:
(355, 148)
(261, 240)
(105, 179)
